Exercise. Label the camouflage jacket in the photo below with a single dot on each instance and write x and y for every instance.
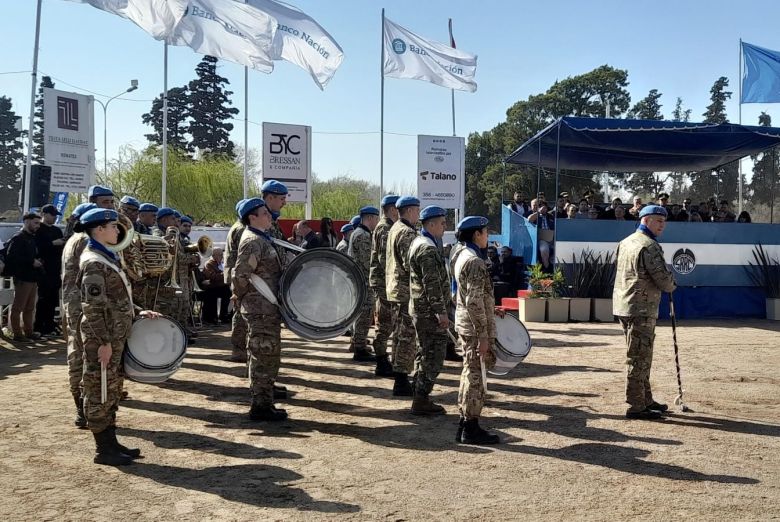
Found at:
(231, 249)
(399, 239)
(429, 283)
(641, 277)
(474, 296)
(71, 292)
(343, 246)
(106, 299)
(276, 232)
(256, 256)
(360, 249)
(376, 276)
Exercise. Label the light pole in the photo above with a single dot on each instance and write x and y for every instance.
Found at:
(133, 86)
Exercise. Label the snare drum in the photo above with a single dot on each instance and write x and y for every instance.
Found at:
(513, 343)
(154, 350)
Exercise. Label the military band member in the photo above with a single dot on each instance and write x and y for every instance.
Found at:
(399, 239)
(376, 280)
(360, 251)
(257, 256)
(238, 333)
(429, 286)
(147, 214)
(101, 196)
(475, 325)
(346, 232)
(165, 298)
(274, 194)
(641, 277)
(188, 261)
(130, 207)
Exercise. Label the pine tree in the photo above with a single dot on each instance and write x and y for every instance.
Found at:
(679, 179)
(680, 114)
(210, 111)
(648, 108)
(646, 184)
(11, 155)
(178, 115)
(716, 111)
(38, 153)
(764, 184)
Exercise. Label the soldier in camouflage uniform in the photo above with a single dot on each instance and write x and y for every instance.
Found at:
(360, 251)
(343, 245)
(258, 257)
(106, 318)
(187, 262)
(71, 308)
(238, 333)
(641, 277)
(475, 325)
(376, 280)
(275, 196)
(166, 299)
(399, 239)
(429, 287)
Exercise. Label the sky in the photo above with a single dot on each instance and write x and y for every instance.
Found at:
(679, 47)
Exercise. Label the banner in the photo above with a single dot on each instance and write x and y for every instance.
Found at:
(60, 201)
(69, 140)
(287, 158)
(761, 77)
(302, 41)
(157, 17)
(441, 162)
(408, 55)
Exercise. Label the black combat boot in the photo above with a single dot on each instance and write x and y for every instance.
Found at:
(267, 413)
(459, 433)
(133, 453)
(106, 453)
(402, 388)
(383, 367)
(474, 434)
(280, 392)
(81, 419)
(363, 355)
(423, 405)
(452, 354)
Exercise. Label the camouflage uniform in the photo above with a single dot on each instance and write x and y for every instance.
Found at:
(107, 316)
(238, 333)
(71, 307)
(360, 251)
(429, 287)
(343, 247)
(187, 262)
(399, 239)
(641, 277)
(376, 280)
(474, 321)
(168, 302)
(257, 255)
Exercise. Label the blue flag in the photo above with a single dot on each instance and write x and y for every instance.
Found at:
(60, 201)
(761, 75)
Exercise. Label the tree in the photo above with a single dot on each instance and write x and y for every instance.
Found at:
(716, 111)
(178, 116)
(764, 184)
(11, 155)
(680, 114)
(646, 184)
(210, 110)
(38, 149)
(648, 107)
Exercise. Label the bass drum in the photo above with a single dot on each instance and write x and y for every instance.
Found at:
(154, 350)
(513, 344)
(321, 293)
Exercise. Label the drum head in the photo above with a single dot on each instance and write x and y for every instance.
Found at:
(321, 293)
(156, 343)
(513, 343)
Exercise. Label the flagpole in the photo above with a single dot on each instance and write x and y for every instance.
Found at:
(163, 199)
(30, 130)
(739, 162)
(452, 91)
(246, 125)
(382, 112)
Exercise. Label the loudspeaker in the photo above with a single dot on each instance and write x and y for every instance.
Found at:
(40, 181)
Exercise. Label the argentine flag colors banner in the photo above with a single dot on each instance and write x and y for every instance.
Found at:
(408, 55)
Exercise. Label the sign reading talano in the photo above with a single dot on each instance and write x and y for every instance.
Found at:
(440, 168)
(69, 140)
(287, 158)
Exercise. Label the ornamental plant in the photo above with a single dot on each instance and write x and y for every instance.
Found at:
(543, 284)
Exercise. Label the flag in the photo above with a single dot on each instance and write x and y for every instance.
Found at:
(408, 55)
(157, 17)
(761, 75)
(230, 30)
(302, 41)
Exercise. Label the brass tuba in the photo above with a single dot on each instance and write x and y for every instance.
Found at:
(143, 255)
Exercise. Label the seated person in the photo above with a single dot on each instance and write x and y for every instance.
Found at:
(610, 212)
(582, 211)
(509, 273)
(214, 288)
(634, 211)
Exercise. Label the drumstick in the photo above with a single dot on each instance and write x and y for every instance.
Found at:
(103, 384)
(484, 373)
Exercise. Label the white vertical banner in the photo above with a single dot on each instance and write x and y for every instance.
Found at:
(441, 165)
(69, 139)
(287, 158)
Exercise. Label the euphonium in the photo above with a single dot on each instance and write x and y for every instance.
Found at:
(143, 255)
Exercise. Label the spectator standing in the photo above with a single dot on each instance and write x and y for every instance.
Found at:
(724, 214)
(560, 207)
(663, 200)
(620, 214)
(309, 237)
(50, 243)
(695, 217)
(571, 211)
(744, 217)
(610, 212)
(519, 205)
(22, 259)
(634, 211)
(582, 211)
(545, 225)
(328, 236)
(214, 288)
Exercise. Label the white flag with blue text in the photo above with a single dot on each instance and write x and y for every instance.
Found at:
(159, 18)
(302, 41)
(408, 55)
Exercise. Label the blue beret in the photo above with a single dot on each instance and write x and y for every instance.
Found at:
(98, 215)
(390, 199)
(274, 187)
(80, 209)
(407, 201)
(130, 201)
(369, 210)
(652, 210)
(238, 205)
(176, 214)
(355, 221)
(165, 211)
(186, 219)
(472, 222)
(248, 205)
(97, 190)
(432, 211)
(148, 207)
(347, 228)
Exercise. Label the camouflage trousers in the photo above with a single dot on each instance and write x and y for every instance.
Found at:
(362, 325)
(385, 322)
(238, 335)
(265, 350)
(101, 416)
(471, 394)
(143, 293)
(405, 341)
(75, 355)
(174, 306)
(431, 349)
(640, 334)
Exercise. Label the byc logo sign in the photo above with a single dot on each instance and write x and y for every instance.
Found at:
(399, 46)
(283, 144)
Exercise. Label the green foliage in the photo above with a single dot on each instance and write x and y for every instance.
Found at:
(648, 108)
(590, 276)
(765, 272)
(210, 111)
(337, 198)
(716, 111)
(11, 155)
(38, 154)
(543, 284)
(764, 185)
(178, 114)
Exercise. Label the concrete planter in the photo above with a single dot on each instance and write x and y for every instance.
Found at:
(532, 310)
(558, 310)
(773, 309)
(602, 311)
(579, 309)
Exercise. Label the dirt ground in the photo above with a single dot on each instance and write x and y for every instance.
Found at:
(351, 451)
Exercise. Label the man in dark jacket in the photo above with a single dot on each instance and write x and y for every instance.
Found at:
(22, 259)
(50, 243)
(310, 239)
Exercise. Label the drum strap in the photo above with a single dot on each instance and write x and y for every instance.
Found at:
(90, 255)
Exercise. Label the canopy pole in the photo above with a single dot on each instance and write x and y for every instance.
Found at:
(739, 161)
(30, 130)
(539, 170)
(772, 190)
(557, 178)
